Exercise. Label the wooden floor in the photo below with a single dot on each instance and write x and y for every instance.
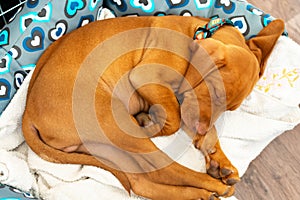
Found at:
(275, 174)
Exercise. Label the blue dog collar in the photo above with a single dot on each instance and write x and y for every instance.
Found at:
(211, 27)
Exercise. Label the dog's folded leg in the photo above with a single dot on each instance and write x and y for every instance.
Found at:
(227, 171)
(143, 119)
(164, 107)
(217, 164)
(202, 90)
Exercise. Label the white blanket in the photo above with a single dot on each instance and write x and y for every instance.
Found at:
(270, 109)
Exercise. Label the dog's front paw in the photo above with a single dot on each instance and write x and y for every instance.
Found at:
(218, 166)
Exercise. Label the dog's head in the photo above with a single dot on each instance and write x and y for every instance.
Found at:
(224, 69)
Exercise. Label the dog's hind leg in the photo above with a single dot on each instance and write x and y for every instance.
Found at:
(146, 188)
(151, 167)
(155, 184)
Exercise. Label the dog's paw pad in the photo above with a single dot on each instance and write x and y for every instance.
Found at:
(224, 172)
(232, 181)
(213, 169)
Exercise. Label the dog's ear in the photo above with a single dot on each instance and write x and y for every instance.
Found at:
(263, 44)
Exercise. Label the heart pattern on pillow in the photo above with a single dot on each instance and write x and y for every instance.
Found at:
(254, 10)
(61, 27)
(177, 3)
(5, 63)
(15, 52)
(73, 6)
(203, 4)
(93, 4)
(35, 42)
(84, 20)
(44, 15)
(19, 77)
(121, 5)
(4, 37)
(4, 89)
(32, 3)
(240, 22)
(227, 5)
(266, 19)
(145, 5)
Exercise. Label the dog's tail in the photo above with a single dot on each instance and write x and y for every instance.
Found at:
(32, 137)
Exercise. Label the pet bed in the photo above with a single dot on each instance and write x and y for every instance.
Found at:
(270, 109)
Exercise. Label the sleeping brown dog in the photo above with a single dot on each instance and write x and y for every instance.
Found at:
(100, 93)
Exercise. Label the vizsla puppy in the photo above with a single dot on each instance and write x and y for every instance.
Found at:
(100, 93)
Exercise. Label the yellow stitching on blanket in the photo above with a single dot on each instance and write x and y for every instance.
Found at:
(283, 79)
(290, 76)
